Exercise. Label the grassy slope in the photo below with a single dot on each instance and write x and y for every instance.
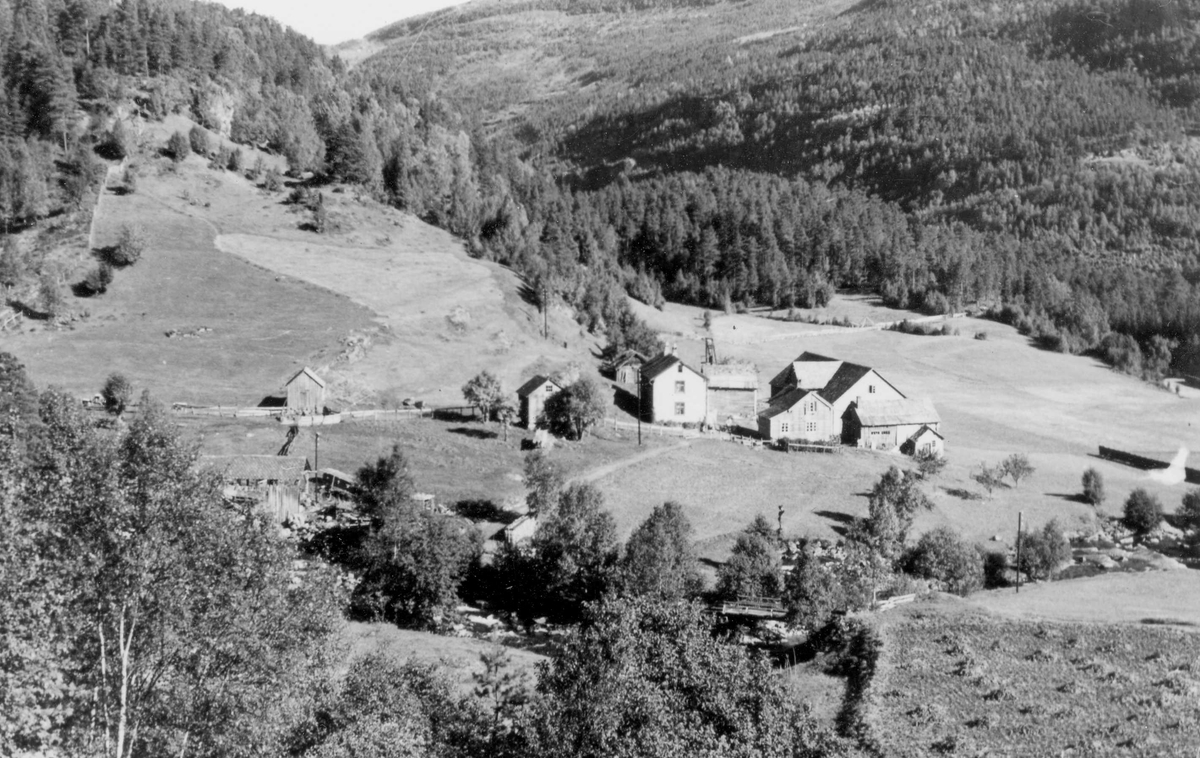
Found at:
(952, 675)
(231, 257)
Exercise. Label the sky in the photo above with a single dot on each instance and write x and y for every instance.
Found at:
(332, 21)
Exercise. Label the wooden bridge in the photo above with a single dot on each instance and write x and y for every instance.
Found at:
(752, 607)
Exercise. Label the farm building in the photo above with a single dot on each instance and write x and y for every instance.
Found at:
(520, 530)
(732, 391)
(533, 395)
(627, 366)
(798, 414)
(673, 391)
(305, 393)
(277, 481)
(841, 383)
(927, 440)
(888, 424)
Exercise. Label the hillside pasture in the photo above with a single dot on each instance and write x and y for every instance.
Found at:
(995, 396)
(958, 681)
(1151, 597)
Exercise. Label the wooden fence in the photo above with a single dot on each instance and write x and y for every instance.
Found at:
(790, 446)
(1191, 475)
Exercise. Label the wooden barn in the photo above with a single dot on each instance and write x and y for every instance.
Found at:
(278, 482)
(841, 383)
(533, 395)
(673, 391)
(627, 366)
(732, 391)
(888, 424)
(798, 414)
(926, 441)
(306, 393)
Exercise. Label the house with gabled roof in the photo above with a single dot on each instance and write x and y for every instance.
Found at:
(533, 395)
(889, 424)
(627, 366)
(797, 414)
(672, 391)
(926, 441)
(841, 383)
(305, 393)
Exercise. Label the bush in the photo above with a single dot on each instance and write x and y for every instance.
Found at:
(1143, 511)
(98, 279)
(1044, 551)
(942, 556)
(198, 140)
(236, 161)
(116, 393)
(1189, 511)
(129, 248)
(1093, 487)
(178, 147)
(981, 335)
(273, 180)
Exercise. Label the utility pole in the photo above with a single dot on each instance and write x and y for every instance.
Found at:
(317, 451)
(1019, 515)
(639, 409)
(545, 309)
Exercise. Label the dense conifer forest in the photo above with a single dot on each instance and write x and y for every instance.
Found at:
(1035, 159)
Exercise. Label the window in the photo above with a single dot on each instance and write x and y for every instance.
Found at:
(679, 368)
(679, 409)
(812, 426)
(679, 387)
(783, 427)
(871, 390)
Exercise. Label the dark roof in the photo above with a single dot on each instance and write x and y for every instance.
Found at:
(311, 374)
(927, 428)
(255, 468)
(896, 412)
(528, 387)
(843, 379)
(656, 367)
(787, 400)
(627, 357)
(789, 372)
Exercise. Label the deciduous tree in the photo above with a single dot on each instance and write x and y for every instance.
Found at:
(659, 558)
(1093, 487)
(1143, 511)
(484, 392)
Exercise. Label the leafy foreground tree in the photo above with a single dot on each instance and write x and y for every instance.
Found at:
(484, 392)
(385, 485)
(1189, 510)
(943, 556)
(753, 568)
(143, 615)
(894, 502)
(1143, 511)
(659, 558)
(576, 551)
(647, 678)
(1043, 552)
(386, 709)
(577, 408)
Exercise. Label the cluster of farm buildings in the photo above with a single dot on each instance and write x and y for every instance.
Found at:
(813, 399)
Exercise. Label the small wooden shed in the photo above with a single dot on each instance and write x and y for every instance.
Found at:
(533, 395)
(305, 393)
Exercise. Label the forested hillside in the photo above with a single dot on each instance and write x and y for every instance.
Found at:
(1033, 155)
(1036, 158)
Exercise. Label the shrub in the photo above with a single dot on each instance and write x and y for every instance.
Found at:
(944, 557)
(1042, 552)
(236, 161)
(273, 180)
(981, 335)
(178, 147)
(129, 248)
(1143, 511)
(98, 279)
(115, 145)
(220, 160)
(198, 140)
(1189, 511)
(116, 393)
(50, 295)
(1093, 487)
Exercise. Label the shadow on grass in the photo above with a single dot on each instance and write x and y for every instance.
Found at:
(273, 401)
(1167, 622)
(479, 434)
(962, 494)
(625, 401)
(1070, 497)
(842, 521)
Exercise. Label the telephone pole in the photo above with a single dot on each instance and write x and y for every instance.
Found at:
(317, 450)
(1019, 515)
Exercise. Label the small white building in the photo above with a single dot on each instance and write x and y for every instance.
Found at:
(305, 393)
(672, 391)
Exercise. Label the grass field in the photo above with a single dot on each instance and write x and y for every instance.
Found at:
(459, 655)
(958, 681)
(1152, 597)
(452, 460)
